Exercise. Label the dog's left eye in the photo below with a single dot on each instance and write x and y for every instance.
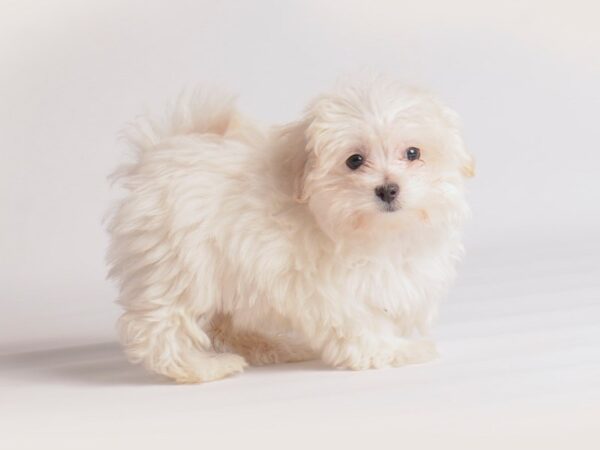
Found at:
(412, 153)
(355, 161)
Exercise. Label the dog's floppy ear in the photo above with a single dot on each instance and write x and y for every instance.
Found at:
(299, 184)
(468, 168)
(466, 160)
(299, 159)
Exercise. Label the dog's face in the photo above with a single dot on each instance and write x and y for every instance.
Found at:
(380, 157)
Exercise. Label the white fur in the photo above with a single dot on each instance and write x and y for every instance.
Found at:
(236, 243)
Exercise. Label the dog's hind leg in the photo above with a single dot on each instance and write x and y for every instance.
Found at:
(169, 341)
(168, 302)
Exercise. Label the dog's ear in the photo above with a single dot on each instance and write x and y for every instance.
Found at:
(468, 168)
(299, 184)
(299, 160)
(466, 160)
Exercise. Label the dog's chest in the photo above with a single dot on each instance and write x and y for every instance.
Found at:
(394, 281)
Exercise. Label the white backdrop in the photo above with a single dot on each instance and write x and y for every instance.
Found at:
(524, 75)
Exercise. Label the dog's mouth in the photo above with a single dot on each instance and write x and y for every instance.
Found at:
(390, 207)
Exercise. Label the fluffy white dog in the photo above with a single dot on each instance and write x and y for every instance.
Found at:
(330, 237)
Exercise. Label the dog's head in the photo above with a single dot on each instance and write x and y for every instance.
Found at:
(378, 156)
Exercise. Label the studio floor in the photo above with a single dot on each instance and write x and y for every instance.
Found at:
(519, 368)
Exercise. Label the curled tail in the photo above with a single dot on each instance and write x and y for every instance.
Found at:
(203, 111)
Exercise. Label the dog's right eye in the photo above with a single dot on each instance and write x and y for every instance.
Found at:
(355, 161)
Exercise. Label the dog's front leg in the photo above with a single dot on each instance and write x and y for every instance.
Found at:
(361, 353)
(360, 347)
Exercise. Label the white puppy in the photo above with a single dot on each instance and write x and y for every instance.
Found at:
(333, 236)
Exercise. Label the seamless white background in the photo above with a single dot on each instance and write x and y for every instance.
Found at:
(524, 75)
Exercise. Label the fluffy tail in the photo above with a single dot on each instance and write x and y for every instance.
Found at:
(202, 111)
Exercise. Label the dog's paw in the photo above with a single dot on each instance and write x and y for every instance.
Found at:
(402, 353)
(417, 352)
(203, 367)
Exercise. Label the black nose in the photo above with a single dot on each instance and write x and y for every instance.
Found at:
(387, 192)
